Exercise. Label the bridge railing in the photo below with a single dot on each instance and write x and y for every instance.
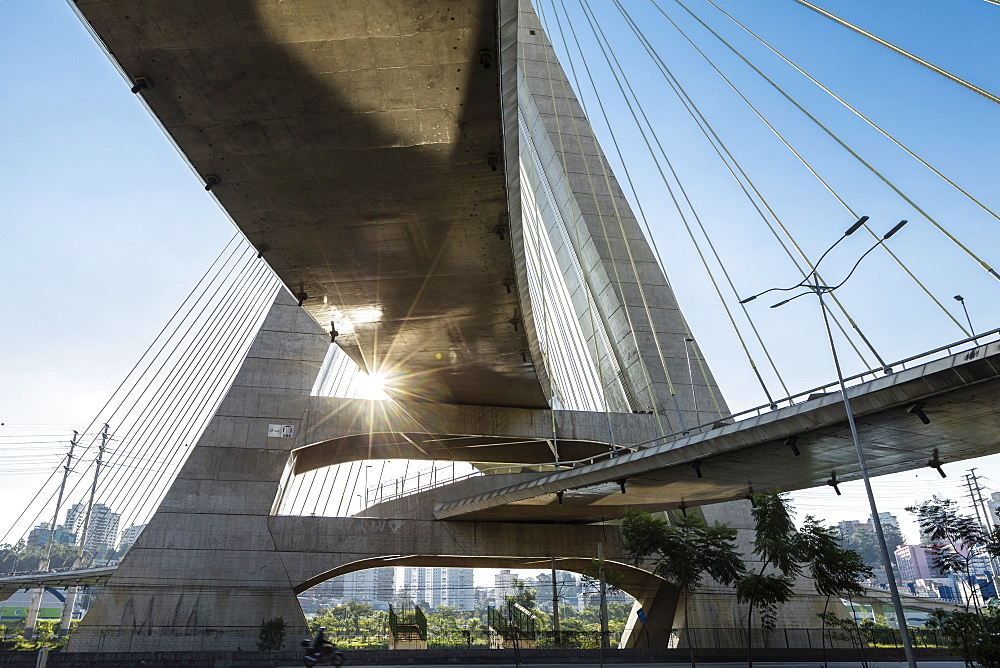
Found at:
(439, 476)
(923, 358)
(446, 475)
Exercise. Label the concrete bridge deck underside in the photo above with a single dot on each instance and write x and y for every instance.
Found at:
(358, 146)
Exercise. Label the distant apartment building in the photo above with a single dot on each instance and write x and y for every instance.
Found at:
(915, 563)
(98, 532)
(945, 589)
(40, 535)
(74, 517)
(129, 536)
(102, 530)
(459, 588)
(503, 586)
(436, 587)
(847, 527)
(994, 505)
(567, 590)
(374, 586)
(887, 520)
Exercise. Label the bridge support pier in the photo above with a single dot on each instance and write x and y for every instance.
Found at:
(214, 562)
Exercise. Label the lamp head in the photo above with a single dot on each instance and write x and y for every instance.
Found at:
(856, 226)
(895, 229)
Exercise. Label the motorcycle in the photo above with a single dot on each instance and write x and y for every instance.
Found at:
(319, 650)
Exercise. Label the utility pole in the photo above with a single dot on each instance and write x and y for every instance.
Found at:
(555, 602)
(987, 522)
(93, 491)
(605, 634)
(972, 496)
(46, 561)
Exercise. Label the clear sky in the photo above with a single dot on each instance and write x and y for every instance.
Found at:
(105, 228)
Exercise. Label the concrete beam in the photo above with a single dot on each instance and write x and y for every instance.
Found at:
(342, 430)
(959, 393)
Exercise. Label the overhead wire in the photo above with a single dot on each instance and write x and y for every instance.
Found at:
(657, 410)
(628, 176)
(596, 29)
(163, 392)
(179, 382)
(199, 419)
(591, 304)
(194, 391)
(727, 157)
(121, 459)
(802, 160)
(186, 305)
(177, 460)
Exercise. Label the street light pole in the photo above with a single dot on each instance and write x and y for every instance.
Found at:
(811, 283)
(897, 603)
(366, 485)
(961, 300)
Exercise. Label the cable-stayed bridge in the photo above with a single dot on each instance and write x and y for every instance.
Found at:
(427, 187)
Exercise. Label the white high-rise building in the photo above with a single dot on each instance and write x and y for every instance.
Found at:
(887, 519)
(74, 517)
(994, 505)
(436, 587)
(459, 589)
(130, 535)
(101, 530)
(503, 586)
(102, 527)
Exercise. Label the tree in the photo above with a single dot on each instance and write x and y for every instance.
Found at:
(272, 634)
(834, 570)
(865, 543)
(974, 637)
(955, 538)
(683, 553)
(20, 557)
(523, 596)
(778, 545)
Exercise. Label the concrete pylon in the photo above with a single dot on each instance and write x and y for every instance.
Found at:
(558, 174)
(215, 562)
(206, 569)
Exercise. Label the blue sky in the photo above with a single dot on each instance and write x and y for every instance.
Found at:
(105, 228)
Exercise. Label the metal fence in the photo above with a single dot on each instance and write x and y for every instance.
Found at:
(788, 638)
(699, 638)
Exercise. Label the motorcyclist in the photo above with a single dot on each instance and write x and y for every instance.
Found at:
(320, 650)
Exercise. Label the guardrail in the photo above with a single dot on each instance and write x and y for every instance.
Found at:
(438, 477)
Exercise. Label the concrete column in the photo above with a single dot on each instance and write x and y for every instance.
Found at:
(32, 617)
(67, 614)
(662, 607)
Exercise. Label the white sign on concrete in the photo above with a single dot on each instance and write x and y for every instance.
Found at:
(280, 431)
